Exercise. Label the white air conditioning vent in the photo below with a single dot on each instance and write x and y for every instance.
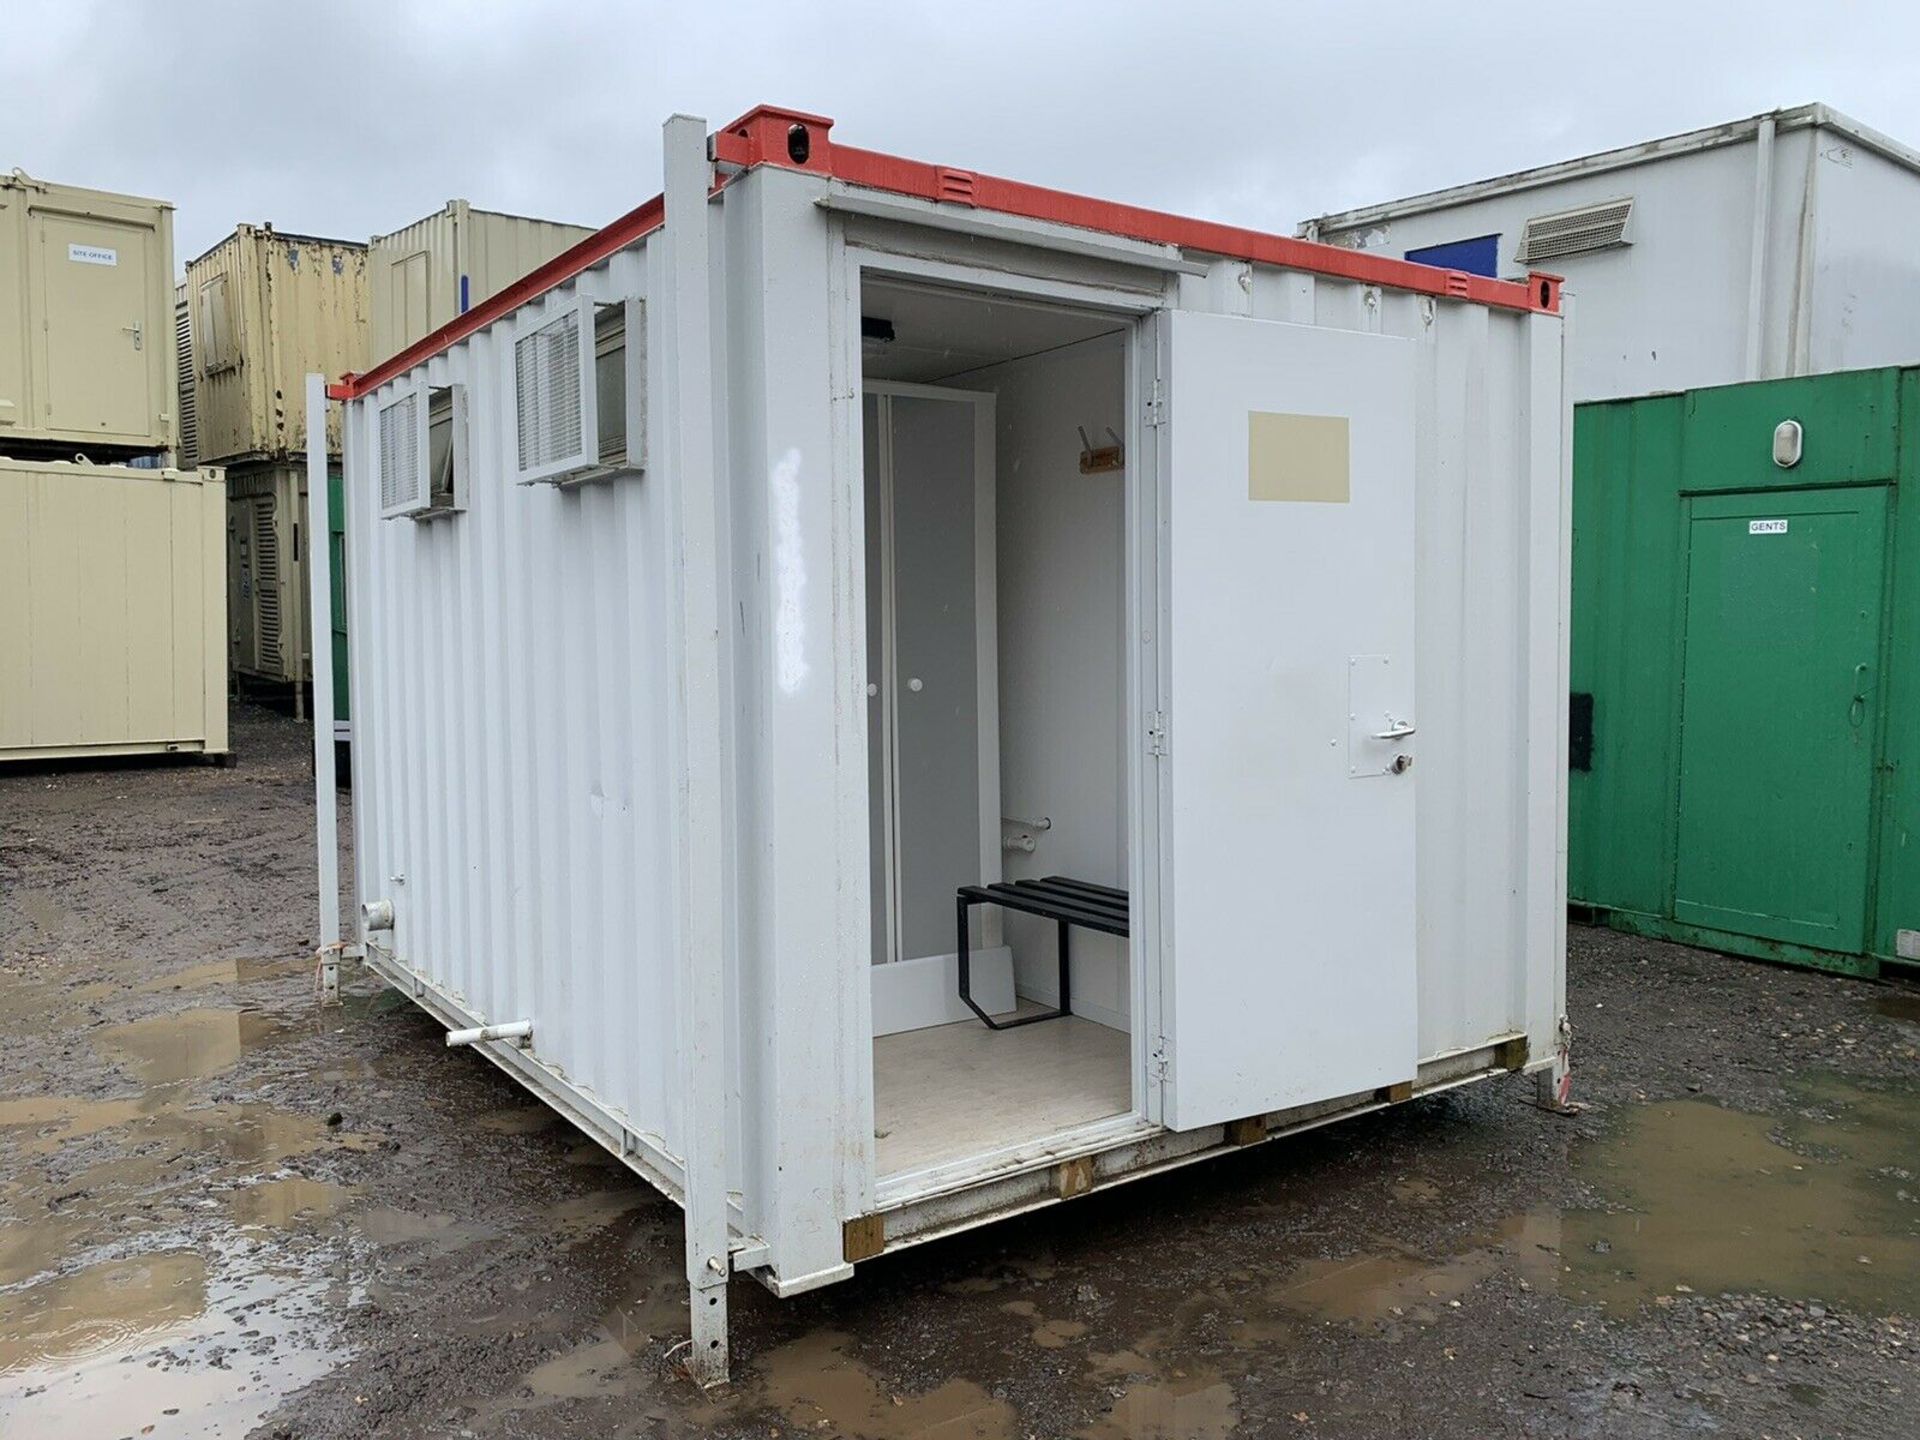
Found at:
(1576, 232)
(403, 459)
(553, 404)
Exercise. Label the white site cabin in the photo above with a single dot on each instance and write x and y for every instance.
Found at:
(1766, 247)
(741, 596)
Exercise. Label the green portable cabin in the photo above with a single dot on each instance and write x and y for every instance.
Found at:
(1746, 706)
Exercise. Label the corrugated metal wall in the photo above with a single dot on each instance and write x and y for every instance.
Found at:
(508, 669)
(1643, 469)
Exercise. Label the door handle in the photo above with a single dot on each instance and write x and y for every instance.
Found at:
(1857, 707)
(135, 331)
(1396, 730)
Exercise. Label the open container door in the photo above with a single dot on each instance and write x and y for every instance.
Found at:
(1288, 960)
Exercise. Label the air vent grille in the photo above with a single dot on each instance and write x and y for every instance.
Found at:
(189, 451)
(400, 477)
(266, 584)
(1575, 232)
(546, 369)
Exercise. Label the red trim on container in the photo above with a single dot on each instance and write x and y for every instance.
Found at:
(770, 135)
(1032, 202)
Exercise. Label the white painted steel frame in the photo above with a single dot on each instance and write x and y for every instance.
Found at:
(523, 705)
(699, 862)
(1127, 304)
(326, 802)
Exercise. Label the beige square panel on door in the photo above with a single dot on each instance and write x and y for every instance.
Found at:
(1297, 457)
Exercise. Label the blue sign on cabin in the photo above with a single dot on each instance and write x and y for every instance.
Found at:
(1479, 256)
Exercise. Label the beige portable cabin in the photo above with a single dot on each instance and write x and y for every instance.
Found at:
(86, 322)
(443, 264)
(113, 611)
(267, 309)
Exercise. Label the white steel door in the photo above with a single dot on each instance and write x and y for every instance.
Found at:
(1288, 966)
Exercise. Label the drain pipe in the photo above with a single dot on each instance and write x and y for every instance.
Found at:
(1762, 240)
(520, 1032)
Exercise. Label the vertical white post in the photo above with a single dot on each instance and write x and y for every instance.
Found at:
(320, 642)
(1762, 240)
(693, 488)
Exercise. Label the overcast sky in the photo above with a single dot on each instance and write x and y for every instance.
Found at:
(347, 117)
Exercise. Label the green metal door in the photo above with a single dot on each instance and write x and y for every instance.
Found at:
(1779, 679)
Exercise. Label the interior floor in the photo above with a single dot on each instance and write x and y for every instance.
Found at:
(958, 1091)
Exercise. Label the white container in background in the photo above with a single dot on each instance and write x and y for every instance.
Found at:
(1771, 246)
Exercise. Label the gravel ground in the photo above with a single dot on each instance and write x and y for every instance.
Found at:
(226, 1211)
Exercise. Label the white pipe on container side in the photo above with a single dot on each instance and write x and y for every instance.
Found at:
(518, 1031)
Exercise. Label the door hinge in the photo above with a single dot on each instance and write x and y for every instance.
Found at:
(1156, 406)
(1160, 1058)
(1156, 732)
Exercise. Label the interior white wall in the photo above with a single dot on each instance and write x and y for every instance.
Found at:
(1062, 592)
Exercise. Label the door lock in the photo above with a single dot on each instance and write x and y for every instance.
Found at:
(1401, 764)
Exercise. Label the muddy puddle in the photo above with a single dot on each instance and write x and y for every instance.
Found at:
(163, 1269)
(1821, 1202)
(188, 1044)
(238, 970)
(179, 1342)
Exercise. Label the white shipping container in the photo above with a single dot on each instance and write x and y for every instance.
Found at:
(1767, 247)
(730, 615)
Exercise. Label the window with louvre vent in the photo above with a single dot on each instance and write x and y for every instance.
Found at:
(553, 401)
(403, 463)
(580, 393)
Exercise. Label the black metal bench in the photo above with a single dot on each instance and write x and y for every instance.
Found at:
(1066, 902)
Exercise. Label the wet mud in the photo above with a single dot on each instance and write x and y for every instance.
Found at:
(225, 1212)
